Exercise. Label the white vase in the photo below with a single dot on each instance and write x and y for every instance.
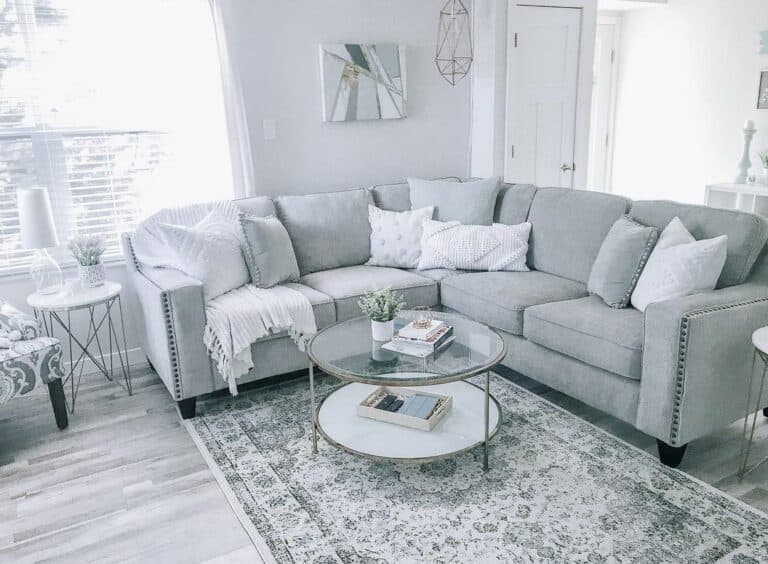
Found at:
(92, 275)
(382, 330)
(765, 176)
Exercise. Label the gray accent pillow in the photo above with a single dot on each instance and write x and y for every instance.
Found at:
(269, 251)
(470, 203)
(328, 230)
(620, 261)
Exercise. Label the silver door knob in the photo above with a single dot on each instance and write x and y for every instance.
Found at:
(567, 167)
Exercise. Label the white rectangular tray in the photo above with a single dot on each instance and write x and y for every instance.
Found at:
(366, 408)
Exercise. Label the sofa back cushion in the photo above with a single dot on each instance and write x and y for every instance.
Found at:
(513, 203)
(328, 230)
(568, 228)
(258, 206)
(397, 197)
(747, 233)
(471, 203)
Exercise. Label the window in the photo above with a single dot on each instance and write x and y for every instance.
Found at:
(115, 106)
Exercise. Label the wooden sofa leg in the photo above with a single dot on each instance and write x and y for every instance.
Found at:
(59, 403)
(669, 455)
(187, 407)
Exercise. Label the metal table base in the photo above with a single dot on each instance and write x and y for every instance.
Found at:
(63, 319)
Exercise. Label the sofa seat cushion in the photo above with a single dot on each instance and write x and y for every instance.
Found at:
(590, 331)
(322, 305)
(437, 274)
(499, 299)
(345, 285)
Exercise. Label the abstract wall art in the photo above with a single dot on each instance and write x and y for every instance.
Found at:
(363, 81)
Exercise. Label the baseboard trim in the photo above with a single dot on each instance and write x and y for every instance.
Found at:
(135, 358)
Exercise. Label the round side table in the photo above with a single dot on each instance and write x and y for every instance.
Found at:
(56, 310)
(754, 407)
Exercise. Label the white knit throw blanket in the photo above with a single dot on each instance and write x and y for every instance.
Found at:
(240, 317)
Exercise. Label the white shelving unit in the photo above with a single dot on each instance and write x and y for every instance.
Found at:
(745, 197)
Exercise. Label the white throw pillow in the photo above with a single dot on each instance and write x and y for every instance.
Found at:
(396, 236)
(680, 266)
(209, 251)
(474, 247)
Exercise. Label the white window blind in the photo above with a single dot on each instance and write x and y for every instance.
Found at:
(115, 106)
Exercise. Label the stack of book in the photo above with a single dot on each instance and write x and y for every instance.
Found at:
(421, 341)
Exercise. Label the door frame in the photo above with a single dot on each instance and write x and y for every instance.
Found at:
(615, 21)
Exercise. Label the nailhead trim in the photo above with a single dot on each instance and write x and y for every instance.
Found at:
(682, 357)
(172, 350)
(133, 257)
(649, 246)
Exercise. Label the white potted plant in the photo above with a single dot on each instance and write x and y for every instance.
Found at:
(87, 251)
(381, 306)
(764, 160)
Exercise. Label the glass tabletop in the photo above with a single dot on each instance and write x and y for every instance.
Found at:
(347, 350)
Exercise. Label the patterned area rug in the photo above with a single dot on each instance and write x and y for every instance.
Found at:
(559, 489)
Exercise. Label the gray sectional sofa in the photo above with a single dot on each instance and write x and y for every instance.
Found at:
(677, 372)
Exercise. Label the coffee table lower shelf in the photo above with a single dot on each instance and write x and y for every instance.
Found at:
(459, 431)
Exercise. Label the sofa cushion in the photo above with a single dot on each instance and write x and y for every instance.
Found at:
(397, 197)
(500, 298)
(513, 203)
(268, 251)
(346, 285)
(590, 331)
(437, 274)
(396, 236)
(322, 305)
(328, 230)
(569, 227)
(259, 206)
(747, 233)
(471, 203)
(620, 261)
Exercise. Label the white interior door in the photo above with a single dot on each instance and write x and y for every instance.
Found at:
(542, 81)
(603, 102)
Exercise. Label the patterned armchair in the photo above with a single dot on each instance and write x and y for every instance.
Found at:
(28, 358)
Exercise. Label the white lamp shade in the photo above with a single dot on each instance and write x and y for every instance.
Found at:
(36, 219)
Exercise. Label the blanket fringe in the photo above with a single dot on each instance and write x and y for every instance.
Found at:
(223, 361)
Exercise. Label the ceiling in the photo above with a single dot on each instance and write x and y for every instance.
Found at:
(624, 5)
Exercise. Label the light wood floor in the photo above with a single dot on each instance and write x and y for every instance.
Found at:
(125, 482)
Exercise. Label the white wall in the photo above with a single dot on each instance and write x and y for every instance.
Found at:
(276, 46)
(688, 80)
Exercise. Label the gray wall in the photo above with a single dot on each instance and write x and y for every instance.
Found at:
(275, 45)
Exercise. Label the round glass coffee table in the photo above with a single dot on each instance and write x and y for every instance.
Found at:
(347, 351)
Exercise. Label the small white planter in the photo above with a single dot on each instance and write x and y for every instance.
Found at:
(91, 276)
(765, 176)
(382, 330)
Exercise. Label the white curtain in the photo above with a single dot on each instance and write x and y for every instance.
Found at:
(237, 122)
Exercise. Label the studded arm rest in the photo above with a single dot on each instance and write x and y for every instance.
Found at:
(697, 361)
(173, 318)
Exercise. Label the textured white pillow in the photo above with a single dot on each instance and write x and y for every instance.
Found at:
(396, 236)
(474, 247)
(209, 251)
(679, 266)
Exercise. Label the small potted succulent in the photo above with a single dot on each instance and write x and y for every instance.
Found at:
(87, 251)
(764, 160)
(382, 306)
